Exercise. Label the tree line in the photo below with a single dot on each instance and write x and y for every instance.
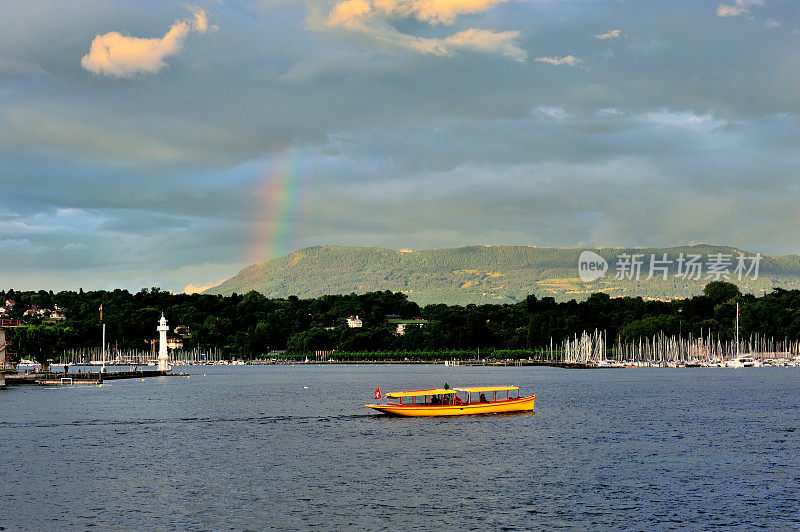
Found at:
(251, 325)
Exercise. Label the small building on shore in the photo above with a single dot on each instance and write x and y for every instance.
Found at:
(401, 325)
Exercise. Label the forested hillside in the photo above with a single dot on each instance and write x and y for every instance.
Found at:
(495, 274)
(251, 325)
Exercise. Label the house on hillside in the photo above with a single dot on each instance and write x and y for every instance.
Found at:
(400, 325)
(57, 314)
(174, 343)
(37, 312)
(354, 322)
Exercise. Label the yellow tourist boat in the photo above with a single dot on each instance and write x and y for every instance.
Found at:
(454, 402)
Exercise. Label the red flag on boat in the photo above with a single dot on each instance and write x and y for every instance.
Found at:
(378, 393)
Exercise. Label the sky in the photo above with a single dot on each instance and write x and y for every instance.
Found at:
(156, 143)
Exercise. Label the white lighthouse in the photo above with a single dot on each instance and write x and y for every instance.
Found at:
(163, 358)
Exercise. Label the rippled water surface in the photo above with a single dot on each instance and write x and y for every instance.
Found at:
(292, 447)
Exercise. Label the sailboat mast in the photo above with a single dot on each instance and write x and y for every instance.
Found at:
(736, 352)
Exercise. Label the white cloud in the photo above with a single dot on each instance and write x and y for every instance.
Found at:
(200, 22)
(122, 56)
(370, 19)
(682, 120)
(484, 41)
(347, 12)
(611, 34)
(739, 7)
(568, 60)
(434, 11)
(729, 11)
(557, 114)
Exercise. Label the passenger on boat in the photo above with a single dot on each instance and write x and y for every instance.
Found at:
(435, 400)
(483, 398)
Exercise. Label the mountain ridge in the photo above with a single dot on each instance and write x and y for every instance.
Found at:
(498, 274)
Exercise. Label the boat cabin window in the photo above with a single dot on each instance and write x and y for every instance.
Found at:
(490, 396)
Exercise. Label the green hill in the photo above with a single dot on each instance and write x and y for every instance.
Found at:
(500, 274)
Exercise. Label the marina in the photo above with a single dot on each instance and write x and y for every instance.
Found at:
(85, 373)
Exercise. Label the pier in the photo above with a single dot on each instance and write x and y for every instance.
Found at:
(89, 377)
(11, 376)
(3, 345)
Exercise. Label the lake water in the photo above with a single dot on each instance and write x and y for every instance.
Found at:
(288, 447)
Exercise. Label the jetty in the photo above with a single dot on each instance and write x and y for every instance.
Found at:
(48, 378)
(10, 376)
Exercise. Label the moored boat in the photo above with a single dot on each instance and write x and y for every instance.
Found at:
(454, 402)
(744, 361)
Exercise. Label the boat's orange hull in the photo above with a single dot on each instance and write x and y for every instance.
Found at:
(513, 405)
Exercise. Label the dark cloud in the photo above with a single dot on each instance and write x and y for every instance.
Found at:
(683, 127)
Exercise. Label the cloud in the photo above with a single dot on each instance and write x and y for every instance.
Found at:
(729, 11)
(123, 56)
(134, 151)
(473, 39)
(349, 13)
(434, 11)
(196, 289)
(739, 7)
(686, 120)
(611, 34)
(200, 21)
(430, 11)
(568, 60)
(370, 19)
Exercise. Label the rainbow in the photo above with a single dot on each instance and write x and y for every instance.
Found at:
(281, 187)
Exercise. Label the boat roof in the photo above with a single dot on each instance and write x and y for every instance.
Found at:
(415, 393)
(477, 389)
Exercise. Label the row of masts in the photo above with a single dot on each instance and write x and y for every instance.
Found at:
(135, 357)
(138, 357)
(592, 348)
(587, 347)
